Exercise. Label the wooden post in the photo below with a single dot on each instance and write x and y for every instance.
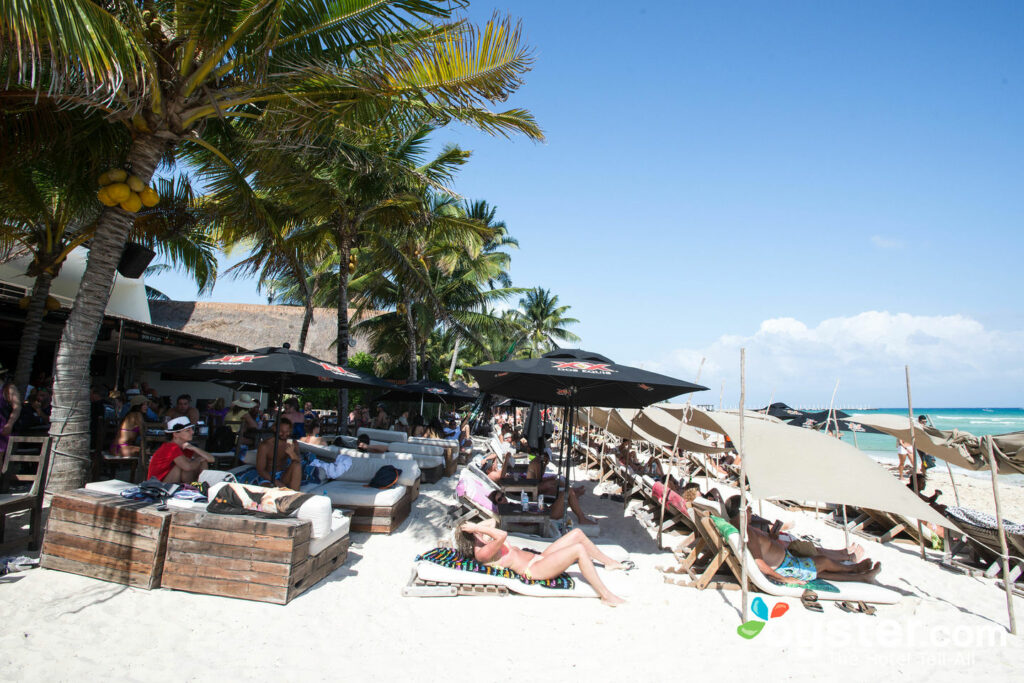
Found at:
(721, 395)
(675, 444)
(913, 449)
(1007, 581)
(743, 484)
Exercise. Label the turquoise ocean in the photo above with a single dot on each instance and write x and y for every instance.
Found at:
(977, 421)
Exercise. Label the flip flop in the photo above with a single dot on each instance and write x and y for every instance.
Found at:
(809, 600)
(858, 607)
(628, 565)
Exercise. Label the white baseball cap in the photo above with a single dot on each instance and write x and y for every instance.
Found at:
(178, 424)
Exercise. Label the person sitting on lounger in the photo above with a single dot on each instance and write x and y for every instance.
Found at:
(627, 456)
(489, 545)
(312, 436)
(776, 562)
(178, 461)
(287, 465)
(363, 444)
(549, 486)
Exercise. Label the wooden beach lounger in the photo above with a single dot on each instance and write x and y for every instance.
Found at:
(721, 547)
(884, 527)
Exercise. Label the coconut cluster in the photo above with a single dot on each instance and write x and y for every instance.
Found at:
(117, 188)
(351, 263)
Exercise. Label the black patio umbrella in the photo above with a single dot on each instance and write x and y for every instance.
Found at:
(782, 411)
(427, 391)
(272, 367)
(849, 424)
(579, 378)
(574, 378)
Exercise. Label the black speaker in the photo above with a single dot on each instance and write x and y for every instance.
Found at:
(134, 260)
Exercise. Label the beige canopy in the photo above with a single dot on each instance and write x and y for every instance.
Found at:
(927, 439)
(662, 424)
(803, 464)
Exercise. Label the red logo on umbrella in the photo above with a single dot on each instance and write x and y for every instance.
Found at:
(578, 365)
(231, 360)
(435, 390)
(336, 369)
(645, 387)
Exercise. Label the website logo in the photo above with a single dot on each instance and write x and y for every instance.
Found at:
(749, 629)
(582, 366)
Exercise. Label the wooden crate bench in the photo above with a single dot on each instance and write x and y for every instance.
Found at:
(246, 557)
(106, 537)
(378, 519)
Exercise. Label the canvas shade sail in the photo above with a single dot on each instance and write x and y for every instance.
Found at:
(927, 440)
(802, 464)
(1008, 449)
(705, 419)
(657, 422)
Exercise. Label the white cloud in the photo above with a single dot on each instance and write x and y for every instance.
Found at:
(886, 243)
(953, 360)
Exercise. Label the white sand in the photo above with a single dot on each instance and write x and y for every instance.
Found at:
(356, 626)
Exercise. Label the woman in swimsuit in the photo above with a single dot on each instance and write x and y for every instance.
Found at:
(127, 442)
(489, 545)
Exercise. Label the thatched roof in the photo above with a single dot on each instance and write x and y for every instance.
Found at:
(253, 326)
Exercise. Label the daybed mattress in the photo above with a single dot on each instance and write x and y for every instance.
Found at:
(352, 494)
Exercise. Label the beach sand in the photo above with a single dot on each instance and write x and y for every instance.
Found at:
(356, 626)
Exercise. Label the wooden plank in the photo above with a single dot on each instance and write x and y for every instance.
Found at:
(286, 527)
(117, 525)
(111, 550)
(230, 589)
(230, 551)
(114, 507)
(178, 557)
(214, 570)
(87, 557)
(232, 538)
(99, 533)
(92, 571)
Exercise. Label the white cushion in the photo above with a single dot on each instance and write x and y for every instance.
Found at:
(352, 494)
(340, 525)
(114, 486)
(382, 434)
(414, 448)
(363, 469)
(443, 443)
(424, 461)
(316, 510)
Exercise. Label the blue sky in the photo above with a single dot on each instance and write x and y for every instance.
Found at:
(835, 187)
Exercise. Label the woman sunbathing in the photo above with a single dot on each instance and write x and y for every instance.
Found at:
(489, 545)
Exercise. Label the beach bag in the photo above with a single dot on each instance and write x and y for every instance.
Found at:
(385, 477)
(221, 440)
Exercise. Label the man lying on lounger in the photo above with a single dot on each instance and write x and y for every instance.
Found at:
(776, 561)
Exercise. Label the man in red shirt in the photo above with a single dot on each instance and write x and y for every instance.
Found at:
(178, 461)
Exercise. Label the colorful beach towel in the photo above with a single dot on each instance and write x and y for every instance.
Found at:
(446, 557)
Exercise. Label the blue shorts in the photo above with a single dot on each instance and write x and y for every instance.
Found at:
(800, 568)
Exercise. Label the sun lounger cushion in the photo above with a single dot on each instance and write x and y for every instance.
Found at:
(474, 489)
(340, 526)
(429, 571)
(674, 499)
(982, 520)
(353, 494)
(382, 434)
(826, 590)
(316, 510)
(112, 486)
(414, 448)
(443, 443)
(446, 557)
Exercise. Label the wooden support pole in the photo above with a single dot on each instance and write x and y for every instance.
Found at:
(913, 449)
(743, 484)
(1007, 580)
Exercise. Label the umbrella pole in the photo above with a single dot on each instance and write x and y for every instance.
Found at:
(743, 486)
(668, 476)
(604, 440)
(632, 435)
(832, 417)
(1007, 581)
(913, 447)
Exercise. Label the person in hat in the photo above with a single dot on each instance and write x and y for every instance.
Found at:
(178, 461)
(128, 438)
(242, 418)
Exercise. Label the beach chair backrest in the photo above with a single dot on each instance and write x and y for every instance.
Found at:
(382, 434)
(34, 450)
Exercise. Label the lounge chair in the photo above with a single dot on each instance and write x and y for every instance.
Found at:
(720, 543)
(32, 453)
(884, 527)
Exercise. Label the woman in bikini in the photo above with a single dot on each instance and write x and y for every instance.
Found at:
(489, 545)
(128, 442)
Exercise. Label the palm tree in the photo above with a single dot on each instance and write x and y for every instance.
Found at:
(544, 321)
(183, 76)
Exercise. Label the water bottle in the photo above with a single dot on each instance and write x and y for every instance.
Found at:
(242, 450)
(524, 500)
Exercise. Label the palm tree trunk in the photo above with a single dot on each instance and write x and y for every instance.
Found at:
(410, 331)
(30, 333)
(69, 425)
(344, 251)
(307, 318)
